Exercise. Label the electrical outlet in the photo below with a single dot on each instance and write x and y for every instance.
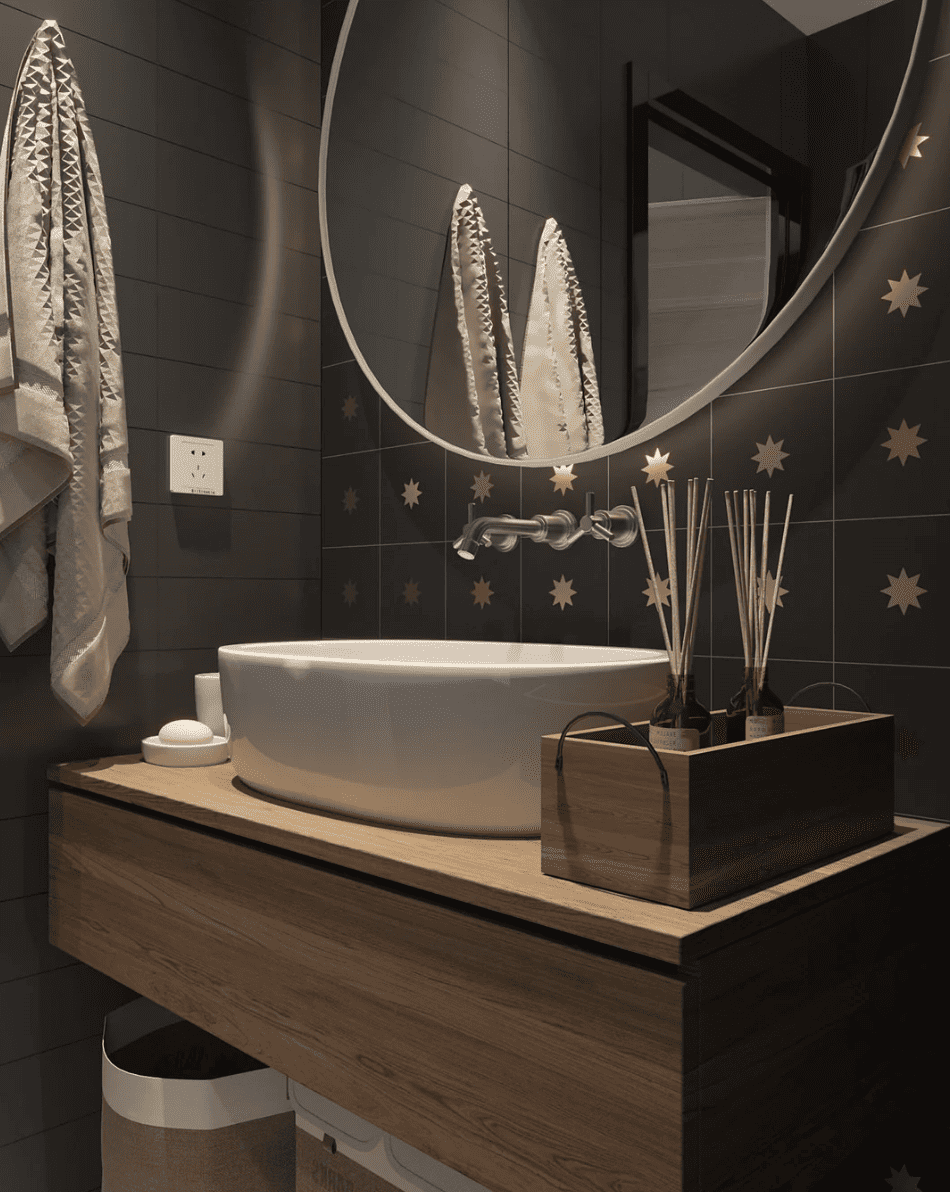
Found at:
(196, 465)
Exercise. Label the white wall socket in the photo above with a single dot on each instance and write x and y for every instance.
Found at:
(196, 465)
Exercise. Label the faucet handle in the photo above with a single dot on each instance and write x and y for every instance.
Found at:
(588, 525)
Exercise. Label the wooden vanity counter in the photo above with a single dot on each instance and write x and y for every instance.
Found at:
(536, 1034)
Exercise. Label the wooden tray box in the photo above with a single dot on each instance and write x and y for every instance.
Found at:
(736, 814)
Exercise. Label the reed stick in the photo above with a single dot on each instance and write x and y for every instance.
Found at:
(695, 577)
(669, 525)
(778, 576)
(655, 586)
(761, 592)
(753, 568)
(737, 572)
(690, 530)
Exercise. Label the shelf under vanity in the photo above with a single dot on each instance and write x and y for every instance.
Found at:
(534, 1033)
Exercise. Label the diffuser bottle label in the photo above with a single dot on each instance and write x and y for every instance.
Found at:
(681, 739)
(764, 726)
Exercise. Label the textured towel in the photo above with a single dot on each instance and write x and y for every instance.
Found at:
(64, 472)
(560, 404)
(472, 387)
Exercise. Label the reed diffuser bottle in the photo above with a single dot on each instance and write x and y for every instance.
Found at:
(755, 710)
(680, 722)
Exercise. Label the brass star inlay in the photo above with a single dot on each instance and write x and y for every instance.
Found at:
(482, 486)
(657, 467)
(349, 592)
(349, 408)
(410, 592)
(411, 493)
(770, 456)
(563, 478)
(903, 442)
(350, 500)
(909, 148)
(771, 599)
(903, 591)
(663, 587)
(482, 592)
(562, 592)
(903, 294)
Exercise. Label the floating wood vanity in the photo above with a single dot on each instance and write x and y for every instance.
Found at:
(536, 1034)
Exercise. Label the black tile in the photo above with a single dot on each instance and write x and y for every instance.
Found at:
(564, 593)
(549, 487)
(412, 591)
(779, 441)
(350, 591)
(334, 345)
(396, 429)
(803, 353)
(350, 500)
(901, 554)
(916, 697)
(351, 409)
(412, 493)
(208, 612)
(873, 479)
(804, 611)
(678, 454)
(871, 332)
(942, 39)
(917, 183)
(483, 595)
(194, 541)
(492, 487)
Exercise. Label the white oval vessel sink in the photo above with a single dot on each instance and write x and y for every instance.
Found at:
(442, 735)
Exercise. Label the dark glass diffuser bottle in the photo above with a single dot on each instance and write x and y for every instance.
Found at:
(765, 712)
(680, 721)
(736, 711)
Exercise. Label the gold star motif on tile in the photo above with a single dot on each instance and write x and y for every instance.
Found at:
(909, 148)
(562, 592)
(350, 500)
(771, 599)
(903, 591)
(657, 467)
(903, 294)
(411, 493)
(482, 486)
(482, 592)
(663, 586)
(903, 442)
(410, 592)
(563, 478)
(349, 408)
(770, 456)
(349, 592)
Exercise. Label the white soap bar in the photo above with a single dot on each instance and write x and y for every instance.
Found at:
(186, 732)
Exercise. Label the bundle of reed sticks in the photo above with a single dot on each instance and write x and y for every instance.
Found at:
(680, 648)
(750, 594)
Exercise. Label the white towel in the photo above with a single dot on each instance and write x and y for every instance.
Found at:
(560, 403)
(64, 468)
(472, 387)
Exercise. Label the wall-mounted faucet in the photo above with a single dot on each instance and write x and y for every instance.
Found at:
(617, 526)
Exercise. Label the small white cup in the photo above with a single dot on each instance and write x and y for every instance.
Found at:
(208, 703)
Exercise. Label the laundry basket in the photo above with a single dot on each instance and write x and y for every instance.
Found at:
(338, 1150)
(181, 1109)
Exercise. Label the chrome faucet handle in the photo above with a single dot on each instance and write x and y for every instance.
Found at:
(592, 523)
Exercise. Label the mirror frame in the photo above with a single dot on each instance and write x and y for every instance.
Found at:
(799, 301)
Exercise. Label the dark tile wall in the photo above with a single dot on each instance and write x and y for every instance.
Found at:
(206, 120)
(848, 413)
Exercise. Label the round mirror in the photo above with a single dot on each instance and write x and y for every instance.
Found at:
(554, 230)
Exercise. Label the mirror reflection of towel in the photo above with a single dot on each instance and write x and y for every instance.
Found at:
(472, 387)
(560, 405)
(474, 398)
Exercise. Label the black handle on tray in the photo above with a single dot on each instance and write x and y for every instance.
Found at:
(829, 683)
(559, 760)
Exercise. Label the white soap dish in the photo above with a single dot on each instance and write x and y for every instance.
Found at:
(187, 743)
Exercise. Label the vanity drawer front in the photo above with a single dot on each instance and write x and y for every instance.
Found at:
(528, 1060)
